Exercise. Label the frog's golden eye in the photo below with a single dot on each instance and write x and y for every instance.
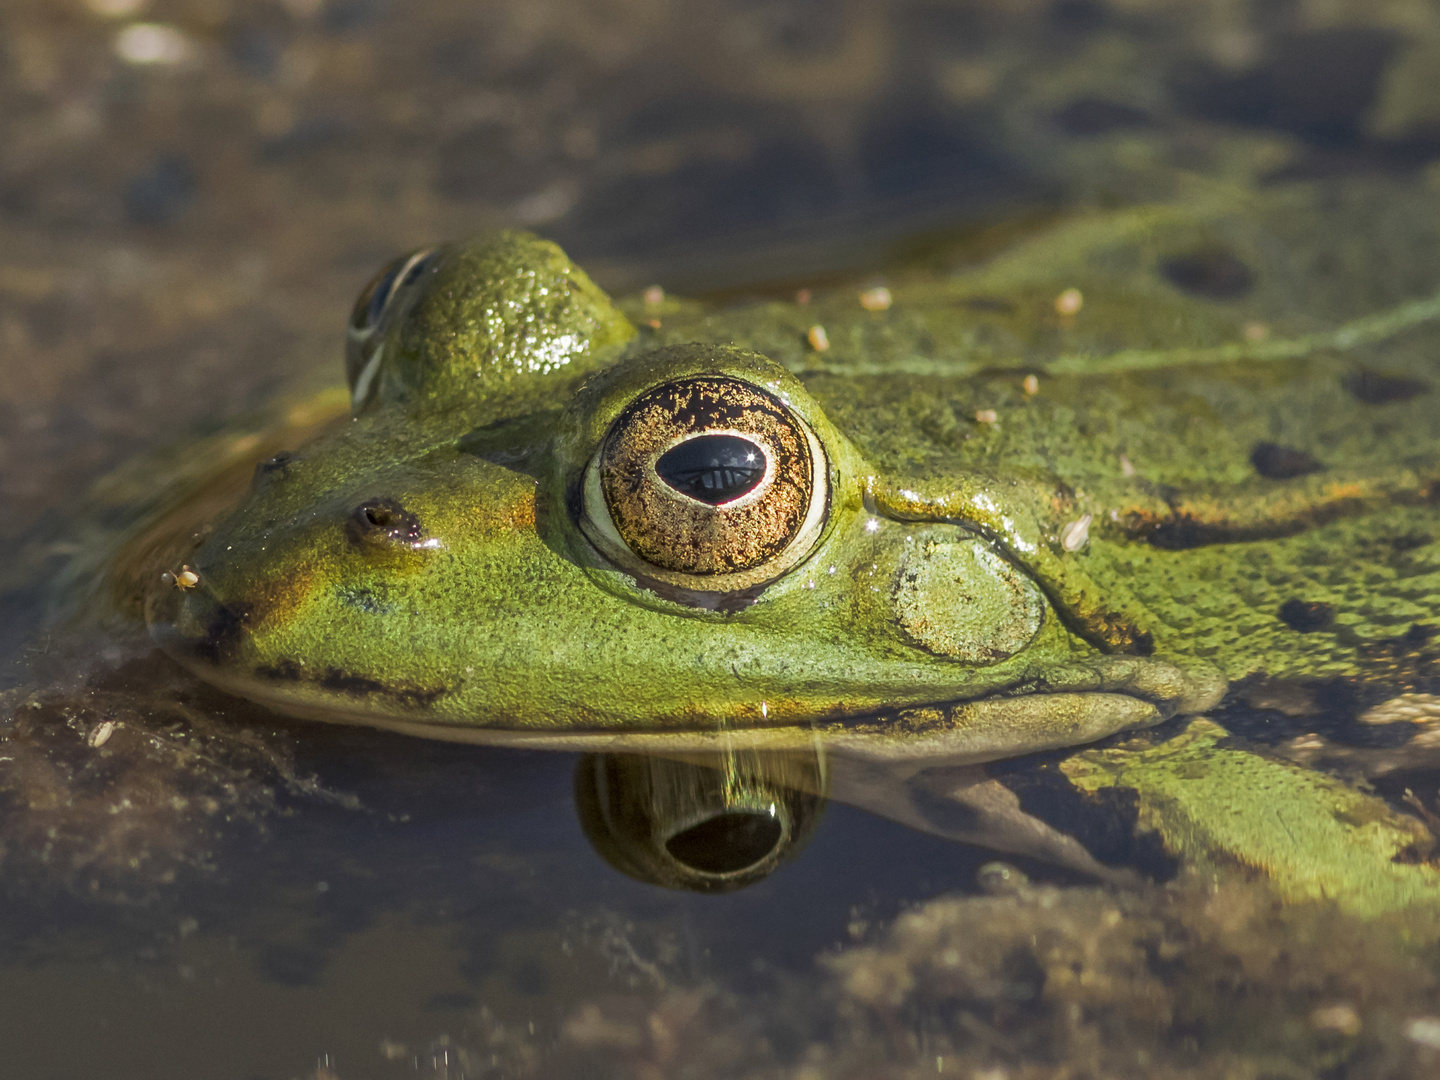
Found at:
(389, 290)
(707, 483)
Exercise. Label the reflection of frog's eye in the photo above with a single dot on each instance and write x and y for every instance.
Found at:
(707, 483)
(388, 291)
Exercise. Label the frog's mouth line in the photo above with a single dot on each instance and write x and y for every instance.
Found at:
(945, 732)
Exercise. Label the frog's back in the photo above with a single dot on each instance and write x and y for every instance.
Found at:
(1238, 393)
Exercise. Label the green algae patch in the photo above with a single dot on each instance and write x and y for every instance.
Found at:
(1313, 837)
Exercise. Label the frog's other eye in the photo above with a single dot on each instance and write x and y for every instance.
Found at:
(707, 483)
(389, 291)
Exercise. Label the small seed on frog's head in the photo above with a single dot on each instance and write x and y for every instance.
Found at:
(1076, 534)
(876, 299)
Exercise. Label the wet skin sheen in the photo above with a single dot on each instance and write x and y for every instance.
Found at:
(549, 522)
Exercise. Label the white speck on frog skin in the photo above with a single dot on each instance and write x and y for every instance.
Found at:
(1076, 534)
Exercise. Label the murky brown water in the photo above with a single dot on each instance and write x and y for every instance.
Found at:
(191, 193)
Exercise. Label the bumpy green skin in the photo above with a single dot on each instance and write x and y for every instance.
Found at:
(502, 621)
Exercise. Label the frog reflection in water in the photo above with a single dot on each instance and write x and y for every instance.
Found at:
(858, 573)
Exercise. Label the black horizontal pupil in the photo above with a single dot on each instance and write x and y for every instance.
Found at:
(714, 469)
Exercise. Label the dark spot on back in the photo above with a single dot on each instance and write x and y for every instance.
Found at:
(1210, 273)
(1306, 617)
(1373, 388)
(1276, 462)
(1096, 116)
(1180, 533)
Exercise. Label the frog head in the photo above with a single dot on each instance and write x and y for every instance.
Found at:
(535, 530)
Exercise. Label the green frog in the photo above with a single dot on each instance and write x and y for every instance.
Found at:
(881, 535)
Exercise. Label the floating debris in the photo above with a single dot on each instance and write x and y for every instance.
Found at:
(876, 299)
(151, 43)
(818, 339)
(1255, 331)
(1410, 708)
(654, 296)
(115, 9)
(803, 296)
(1076, 534)
(1031, 385)
(1126, 467)
(184, 578)
(1340, 1018)
(1424, 1030)
(987, 416)
(1069, 302)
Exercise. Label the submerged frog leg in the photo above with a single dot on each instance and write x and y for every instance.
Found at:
(963, 804)
(1311, 835)
(1109, 617)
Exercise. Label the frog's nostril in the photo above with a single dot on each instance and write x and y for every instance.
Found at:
(385, 521)
(727, 843)
(275, 466)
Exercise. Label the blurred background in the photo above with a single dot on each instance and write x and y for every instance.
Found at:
(192, 192)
